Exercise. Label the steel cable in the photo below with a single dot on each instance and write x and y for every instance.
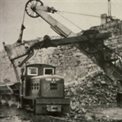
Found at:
(70, 21)
(82, 14)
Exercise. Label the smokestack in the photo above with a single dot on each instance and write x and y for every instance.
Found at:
(103, 19)
(109, 8)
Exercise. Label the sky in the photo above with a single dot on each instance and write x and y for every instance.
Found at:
(11, 15)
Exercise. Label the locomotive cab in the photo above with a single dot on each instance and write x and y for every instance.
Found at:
(39, 69)
(43, 90)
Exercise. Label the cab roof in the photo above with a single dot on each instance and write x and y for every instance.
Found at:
(42, 65)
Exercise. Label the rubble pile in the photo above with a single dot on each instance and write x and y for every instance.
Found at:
(95, 90)
(115, 43)
(71, 63)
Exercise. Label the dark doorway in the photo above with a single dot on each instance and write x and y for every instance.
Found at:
(119, 94)
(119, 99)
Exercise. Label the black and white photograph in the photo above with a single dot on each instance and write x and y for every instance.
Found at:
(60, 60)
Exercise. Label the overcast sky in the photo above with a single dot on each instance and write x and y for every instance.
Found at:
(11, 14)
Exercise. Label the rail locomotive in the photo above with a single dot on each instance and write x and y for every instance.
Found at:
(42, 91)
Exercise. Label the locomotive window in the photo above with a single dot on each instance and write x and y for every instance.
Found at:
(35, 86)
(32, 71)
(48, 71)
(53, 86)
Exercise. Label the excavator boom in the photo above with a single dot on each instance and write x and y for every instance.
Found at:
(18, 50)
(36, 8)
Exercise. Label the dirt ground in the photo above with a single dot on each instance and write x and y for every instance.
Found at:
(114, 113)
(12, 114)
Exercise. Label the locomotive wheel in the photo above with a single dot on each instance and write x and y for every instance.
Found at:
(30, 7)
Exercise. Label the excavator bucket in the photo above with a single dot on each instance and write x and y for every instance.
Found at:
(17, 50)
